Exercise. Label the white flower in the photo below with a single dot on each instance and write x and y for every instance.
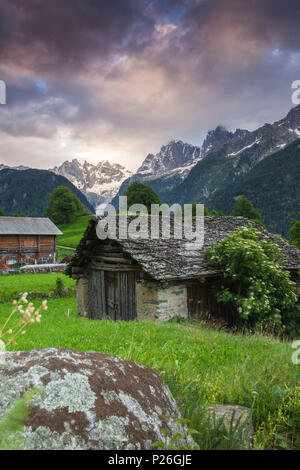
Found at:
(24, 298)
(2, 345)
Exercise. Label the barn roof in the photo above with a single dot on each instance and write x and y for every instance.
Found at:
(168, 259)
(27, 226)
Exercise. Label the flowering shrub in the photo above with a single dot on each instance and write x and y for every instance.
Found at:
(255, 282)
(27, 314)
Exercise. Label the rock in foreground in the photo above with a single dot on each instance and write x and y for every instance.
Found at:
(88, 400)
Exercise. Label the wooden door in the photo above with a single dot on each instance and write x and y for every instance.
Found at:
(197, 300)
(112, 297)
(127, 295)
(96, 295)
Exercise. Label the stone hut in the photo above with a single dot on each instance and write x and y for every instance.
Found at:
(146, 278)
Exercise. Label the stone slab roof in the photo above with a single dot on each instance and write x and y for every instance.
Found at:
(168, 259)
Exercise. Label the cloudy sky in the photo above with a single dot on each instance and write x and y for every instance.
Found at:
(116, 79)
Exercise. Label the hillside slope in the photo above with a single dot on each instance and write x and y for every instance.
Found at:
(28, 191)
(73, 232)
(273, 186)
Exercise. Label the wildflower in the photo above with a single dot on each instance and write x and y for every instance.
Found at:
(24, 298)
(29, 316)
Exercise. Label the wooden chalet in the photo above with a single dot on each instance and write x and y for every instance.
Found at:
(26, 240)
(154, 278)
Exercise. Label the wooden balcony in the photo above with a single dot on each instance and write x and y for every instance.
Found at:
(19, 250)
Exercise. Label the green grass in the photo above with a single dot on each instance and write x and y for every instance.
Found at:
(73, 232)
(62, 253)
(11, 285)
(202, 366)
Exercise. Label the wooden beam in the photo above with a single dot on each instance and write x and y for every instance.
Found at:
(77, 270)
(109, 259)
(113, 267)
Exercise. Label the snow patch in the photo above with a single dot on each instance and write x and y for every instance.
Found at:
(234, 154)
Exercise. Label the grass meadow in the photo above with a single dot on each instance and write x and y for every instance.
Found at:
(202, 366)
(73, 232)
(12, 285)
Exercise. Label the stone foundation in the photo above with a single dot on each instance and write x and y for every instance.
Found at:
(43, 268)
(155, 302)
(82, 295)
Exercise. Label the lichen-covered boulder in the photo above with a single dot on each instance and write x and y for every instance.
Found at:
(88, 400)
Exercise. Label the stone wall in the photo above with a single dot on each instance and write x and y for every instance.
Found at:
(43, 268)
(146, 300)
(155, 302)
(82, 295)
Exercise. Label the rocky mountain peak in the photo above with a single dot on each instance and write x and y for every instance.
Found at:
(176, 154)
(98, 182)
(219, 136)
(180, 156)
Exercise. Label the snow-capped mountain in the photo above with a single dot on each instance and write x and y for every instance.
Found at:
(100, 183)
(246, 148)
(173, 156)
(172, 164)
(171, 168)
(172, 171)
(181, 157)
(249, 150)
(234, 159)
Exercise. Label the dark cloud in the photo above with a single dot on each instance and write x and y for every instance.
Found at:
(132, 74)
(266, 22)
(47, 33)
